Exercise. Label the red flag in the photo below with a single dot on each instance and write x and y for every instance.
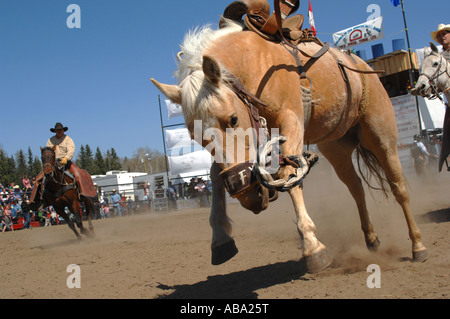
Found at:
(311, 19)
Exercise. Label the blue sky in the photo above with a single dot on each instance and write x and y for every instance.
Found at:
(96, 79)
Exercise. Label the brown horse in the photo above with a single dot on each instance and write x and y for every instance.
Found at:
(351, 111)
(59, 190)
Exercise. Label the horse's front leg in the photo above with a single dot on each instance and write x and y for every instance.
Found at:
(222, 246)
(69, 222)
(315, 253)
(75, 209)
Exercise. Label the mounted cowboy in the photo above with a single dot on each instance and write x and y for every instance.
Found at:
(442, 36)
(64, 149)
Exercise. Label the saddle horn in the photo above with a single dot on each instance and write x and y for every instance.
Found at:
(235, 11)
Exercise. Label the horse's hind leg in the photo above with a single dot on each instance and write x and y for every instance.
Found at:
(379, 136)
(339, 154)
(89, 210)
(75, 209)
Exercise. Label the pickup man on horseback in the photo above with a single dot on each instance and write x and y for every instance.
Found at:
(442, 36)
(64, 148)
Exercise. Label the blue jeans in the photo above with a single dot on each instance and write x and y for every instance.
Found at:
(27, 218)
(117, 210)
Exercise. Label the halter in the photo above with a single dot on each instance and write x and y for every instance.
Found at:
(431, 79)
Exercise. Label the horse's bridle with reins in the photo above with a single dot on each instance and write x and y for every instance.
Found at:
(239, 178)
(65, 186)
(431, 79)
(242, 177)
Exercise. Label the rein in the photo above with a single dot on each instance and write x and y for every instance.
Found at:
(63, 184)
(242, 177)
(432, 78)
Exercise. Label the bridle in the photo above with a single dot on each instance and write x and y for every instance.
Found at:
(435, 91)
(49, 160)
(240, 178)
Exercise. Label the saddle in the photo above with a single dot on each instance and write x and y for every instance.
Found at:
(255, 14)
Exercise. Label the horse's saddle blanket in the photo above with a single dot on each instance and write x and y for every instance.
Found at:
(86, 185)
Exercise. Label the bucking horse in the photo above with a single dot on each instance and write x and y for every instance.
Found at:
(254, 99)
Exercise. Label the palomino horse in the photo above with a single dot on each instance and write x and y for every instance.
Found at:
(60, 191)
(351, 110)
(435, 78)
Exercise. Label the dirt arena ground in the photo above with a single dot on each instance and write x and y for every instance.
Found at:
(166, 256)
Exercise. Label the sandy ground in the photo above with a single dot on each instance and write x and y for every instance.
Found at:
(165, 256)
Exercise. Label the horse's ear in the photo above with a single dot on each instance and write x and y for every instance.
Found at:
(172, 92)
(54, 148)
(42, 149)
(212, 70)
(434, 47)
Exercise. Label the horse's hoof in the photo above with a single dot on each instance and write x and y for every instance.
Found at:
(318, 261)
(373, 246)
(223, 253)
(420, 256)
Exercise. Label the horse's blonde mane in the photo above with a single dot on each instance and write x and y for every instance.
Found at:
(197, 93)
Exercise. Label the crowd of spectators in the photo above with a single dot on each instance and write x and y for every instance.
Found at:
(14, 206)
(14, 203)
(196, 189)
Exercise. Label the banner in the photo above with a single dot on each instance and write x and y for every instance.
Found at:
(407, 118)
(178, 142)
(196, 161)
(173, 110)
(177, 137)
(366, 32)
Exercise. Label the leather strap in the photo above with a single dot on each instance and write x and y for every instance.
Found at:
(285, 8)
(250, 100)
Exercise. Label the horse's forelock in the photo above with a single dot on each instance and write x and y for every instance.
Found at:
(47, 149)
(198, 94)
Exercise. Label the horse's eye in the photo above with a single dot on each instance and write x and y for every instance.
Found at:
(435, 64)
(234, 121)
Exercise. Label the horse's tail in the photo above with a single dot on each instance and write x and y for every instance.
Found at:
(372, 168)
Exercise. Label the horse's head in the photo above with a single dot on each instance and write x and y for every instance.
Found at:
(48, 160)
(221, 122)
(432, 73)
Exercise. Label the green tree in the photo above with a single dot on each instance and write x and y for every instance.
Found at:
(36, 167)
(30, 162)
(89, 166)
(114, 161)
(81, 159)
(21, 168)
(5, 177)
(99, 163)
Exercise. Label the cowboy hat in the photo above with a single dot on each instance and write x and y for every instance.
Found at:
(440, 28)
(58, 126)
